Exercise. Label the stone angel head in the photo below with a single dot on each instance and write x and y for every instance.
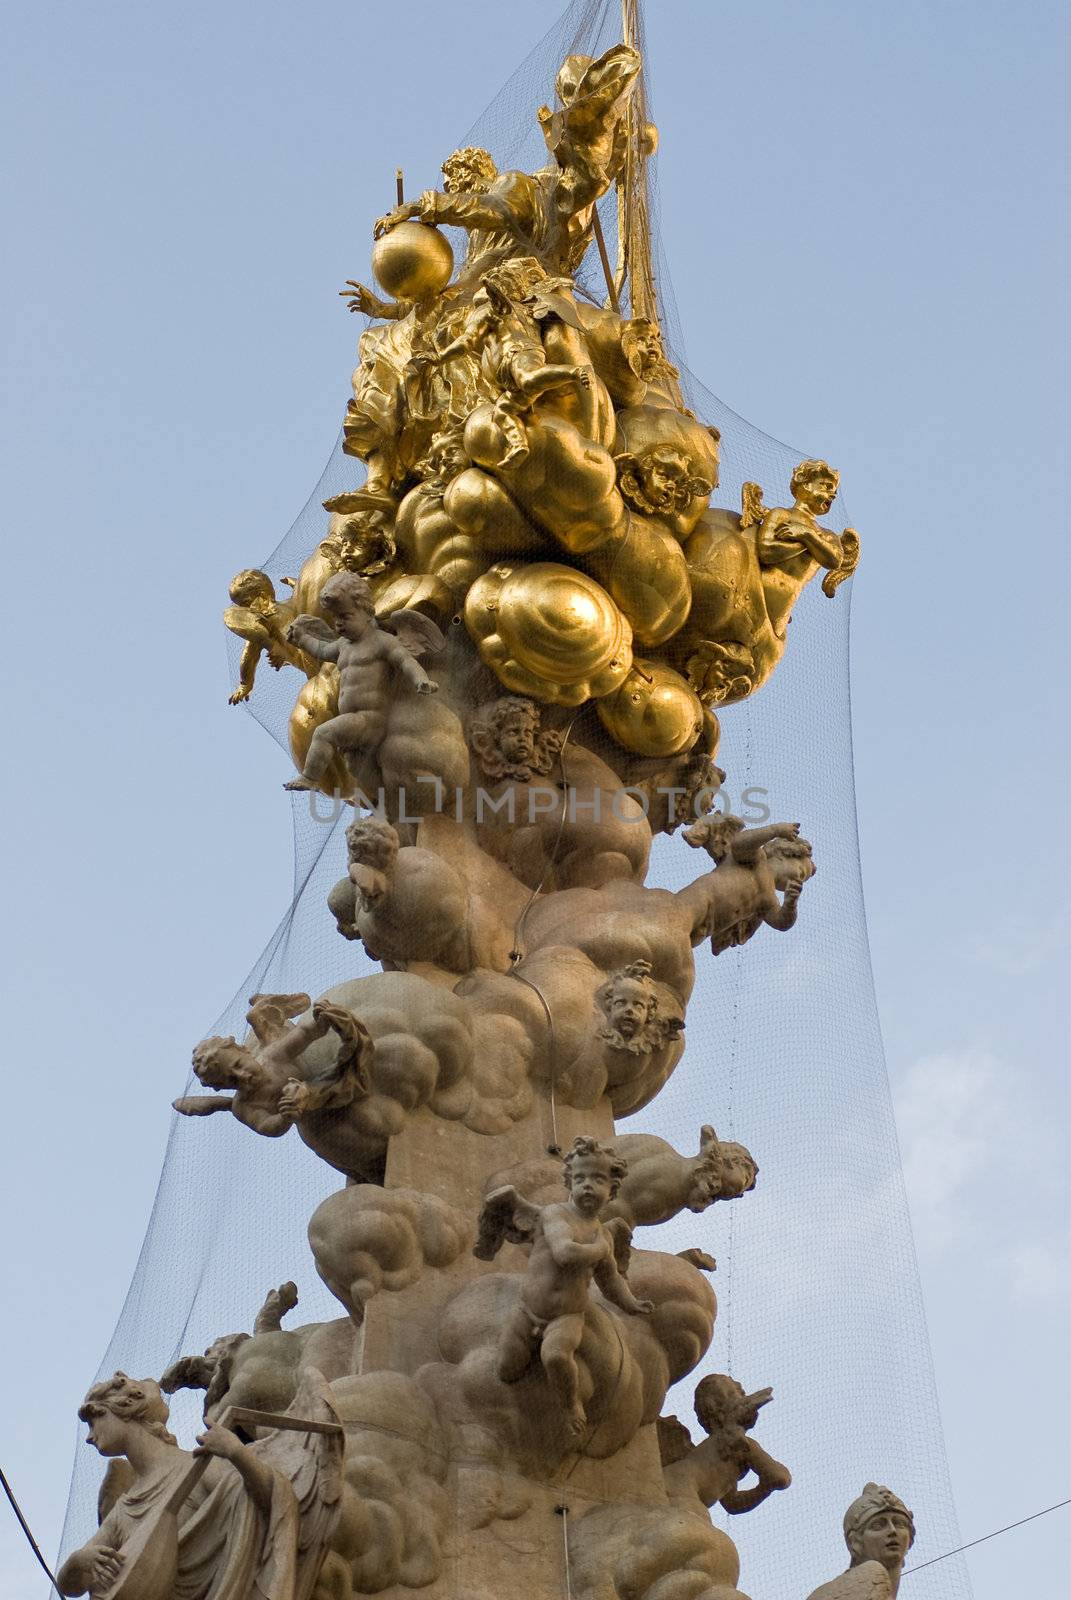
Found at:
(508, 743)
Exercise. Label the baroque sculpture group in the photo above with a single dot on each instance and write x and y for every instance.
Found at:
(510, 648)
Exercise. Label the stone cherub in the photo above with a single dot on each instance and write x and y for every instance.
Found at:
(698, 1476)
(370, 661)
(509, 743)
(227, 1521)
(661, 1183)
(571, 1248)
(269, 1093)
(212, 1370)
(409, 904)
(879, 1530)
(752, 866)
(633, 1021)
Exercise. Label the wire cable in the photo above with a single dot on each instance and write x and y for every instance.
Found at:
(25, 1526)
(986, 1536)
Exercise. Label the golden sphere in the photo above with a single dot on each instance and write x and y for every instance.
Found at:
(549, 631)
(654, 713)
(413, 261)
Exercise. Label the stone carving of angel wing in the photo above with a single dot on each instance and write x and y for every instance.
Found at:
(870, 1581)
(621, 1238)
(317, 627)
(269, 1014)
(312, 1462)
(504, 1216)
(420, 636)
(849, 560)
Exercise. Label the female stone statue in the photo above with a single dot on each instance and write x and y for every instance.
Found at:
(228, 1521)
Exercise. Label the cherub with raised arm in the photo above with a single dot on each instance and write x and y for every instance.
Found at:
(698, 1476)
(789, 537)
(261, 619)
(372, 662)
(269, 1092)
(752, 867)
(571, 1248)
(503, 331)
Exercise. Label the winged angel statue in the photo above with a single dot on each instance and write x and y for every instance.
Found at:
(571, 1248)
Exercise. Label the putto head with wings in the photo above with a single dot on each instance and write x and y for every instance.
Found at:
(592, 1174)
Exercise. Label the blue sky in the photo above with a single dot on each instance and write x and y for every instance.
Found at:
(865, 212)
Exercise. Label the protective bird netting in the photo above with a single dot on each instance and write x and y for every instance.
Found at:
(817, 1282)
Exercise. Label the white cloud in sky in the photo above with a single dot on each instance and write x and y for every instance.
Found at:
(1022, 944)
(983, 1168)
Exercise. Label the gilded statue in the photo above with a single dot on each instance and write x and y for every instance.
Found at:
(699, 1476)
(747, 574)
(502, 331)
(224, 1522)
(879, 1530)
(571, 1248)
(546, 214)
(261, 619)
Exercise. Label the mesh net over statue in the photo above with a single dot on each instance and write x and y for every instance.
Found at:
(529, 641)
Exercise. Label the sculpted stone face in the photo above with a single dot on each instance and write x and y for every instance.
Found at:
(222, 1064)
(348, 615)
(629, 1008)
(590, 1184)
(516, 739)
(885, 1538)
(107, 1432)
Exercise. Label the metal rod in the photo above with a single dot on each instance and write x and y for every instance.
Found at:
(611, 287)
(399, 183)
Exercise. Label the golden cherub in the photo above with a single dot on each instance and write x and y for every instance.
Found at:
(790, 537)
(261, 619)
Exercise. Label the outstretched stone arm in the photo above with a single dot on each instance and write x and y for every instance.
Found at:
(309, 640)
(615, 1288)
(202, 1105)
(772, 1475)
